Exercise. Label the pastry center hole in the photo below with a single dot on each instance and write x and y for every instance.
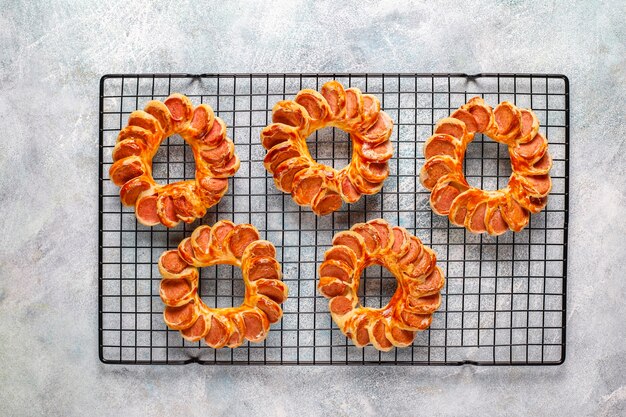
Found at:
(377, 286)
(173, 161)
(221, 286)
(330, 146)
(487, 164)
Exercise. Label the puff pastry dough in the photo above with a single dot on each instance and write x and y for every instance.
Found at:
(309, 182)
(478, 210)
(138, 142)
(224, 243)
(412, 305)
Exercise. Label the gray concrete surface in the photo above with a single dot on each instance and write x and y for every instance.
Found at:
(52, 56)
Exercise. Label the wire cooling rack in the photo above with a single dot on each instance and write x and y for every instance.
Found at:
(504, 299)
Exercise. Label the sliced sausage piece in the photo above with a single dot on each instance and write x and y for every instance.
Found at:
(146, 210)
(314, 103)
(362, 185)
(278, 154)
(221, 153)
(416, 321)
(444, 193)
(440, 144)
(240, 237)
(306, 185)
(256, 326)
(379, 332)
(530, 125)
(335, 95)
(286, 171)
(496, 225)
(354, 104)
(185, 210)
(508, 119)
(201, 121)
(402, 337)
(217, 335)
(260, 248)
(371, 110)
(427, 304)
(216, 134)
(451, 126)
(531, 150)
(277, 133)
(144, 120)
(291, 114)
(236, 330)
(514, 214)
(341, 254)
(214, 185)
(197, 330)
(433, 283)
(372, 171)
(424, 263)
(125, 170)
(476, 221)
(273, 289)
(172, 291)
(380, 130)
(131, 190)
(538, 185)
(159, 111)
(139, 133)
(377, 153)
(326, 202)
(331, 287)
(415, 248)
(352, 240)
(369, 235)
(336, 269)
(181, 110)
(270, 308)
(201, 241)
(172, 262)
(185, 250)
(228, 169)
(481, 112)
(219, 231)
(128, 147)
(543, 165)
(384, 232)
(349, 192)
(362, 337)
(401, 241)
(435, 168)
(181, 317)
(167, 211)
(458, 210)
(340, 305)
(263, 267)
(466, 117)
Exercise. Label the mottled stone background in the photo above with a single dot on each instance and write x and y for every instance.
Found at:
(52, 56)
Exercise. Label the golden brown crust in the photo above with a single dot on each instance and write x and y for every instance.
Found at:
(138, 142)
(412, 305)
(309, 182)
(224, 243)
(480, 211)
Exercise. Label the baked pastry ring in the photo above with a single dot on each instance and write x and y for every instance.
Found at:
(478, 210)
(138, 142)
(224, 243)
(416, 298)
(309, 182)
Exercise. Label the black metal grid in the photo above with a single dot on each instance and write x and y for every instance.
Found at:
(504, 300)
